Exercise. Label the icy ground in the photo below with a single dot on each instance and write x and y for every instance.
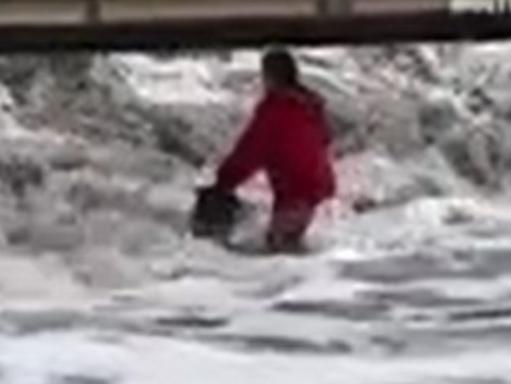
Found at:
(100, 284)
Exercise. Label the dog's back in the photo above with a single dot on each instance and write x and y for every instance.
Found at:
(214, 213)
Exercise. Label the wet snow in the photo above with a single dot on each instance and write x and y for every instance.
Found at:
(101, 284)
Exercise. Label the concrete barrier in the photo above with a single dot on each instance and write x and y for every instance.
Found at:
(106, 11)
(399, 6)
(131, 10)
(36, 12)
(171, 24)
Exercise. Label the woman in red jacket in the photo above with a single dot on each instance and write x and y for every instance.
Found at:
(288, 139)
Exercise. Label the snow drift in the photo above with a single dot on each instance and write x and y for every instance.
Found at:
(99, 158)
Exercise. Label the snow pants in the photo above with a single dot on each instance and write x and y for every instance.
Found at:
(289, 223)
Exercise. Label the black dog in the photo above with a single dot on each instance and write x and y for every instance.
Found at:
(215, 213)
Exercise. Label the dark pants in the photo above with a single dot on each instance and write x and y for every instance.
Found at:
(288, 226)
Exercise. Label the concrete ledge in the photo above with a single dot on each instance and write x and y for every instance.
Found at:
(256, 32)
(373, 7)
(42, 12)
(133, 10)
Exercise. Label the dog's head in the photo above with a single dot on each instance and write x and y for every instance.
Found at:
(214, 213)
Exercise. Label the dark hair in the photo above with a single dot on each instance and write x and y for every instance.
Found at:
(280, 67)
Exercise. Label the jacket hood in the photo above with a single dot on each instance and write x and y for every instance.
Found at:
(300, 94)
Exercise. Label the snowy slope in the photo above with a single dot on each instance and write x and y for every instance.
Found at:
(100, 283)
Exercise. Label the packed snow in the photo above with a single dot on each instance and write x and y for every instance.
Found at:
(101, 283)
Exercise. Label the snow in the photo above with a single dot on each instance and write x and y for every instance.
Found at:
(66, 358)
(185, 81)
(9, 128)
(101, 283)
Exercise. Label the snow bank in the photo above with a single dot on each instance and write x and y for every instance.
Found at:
(183, 81)
(80, 358)
(97, 271)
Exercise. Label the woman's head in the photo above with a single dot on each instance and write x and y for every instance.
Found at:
(279, 69)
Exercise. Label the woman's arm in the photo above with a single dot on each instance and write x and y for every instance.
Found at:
(249, 154)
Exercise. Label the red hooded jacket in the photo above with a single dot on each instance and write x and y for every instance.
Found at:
(287, 138)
